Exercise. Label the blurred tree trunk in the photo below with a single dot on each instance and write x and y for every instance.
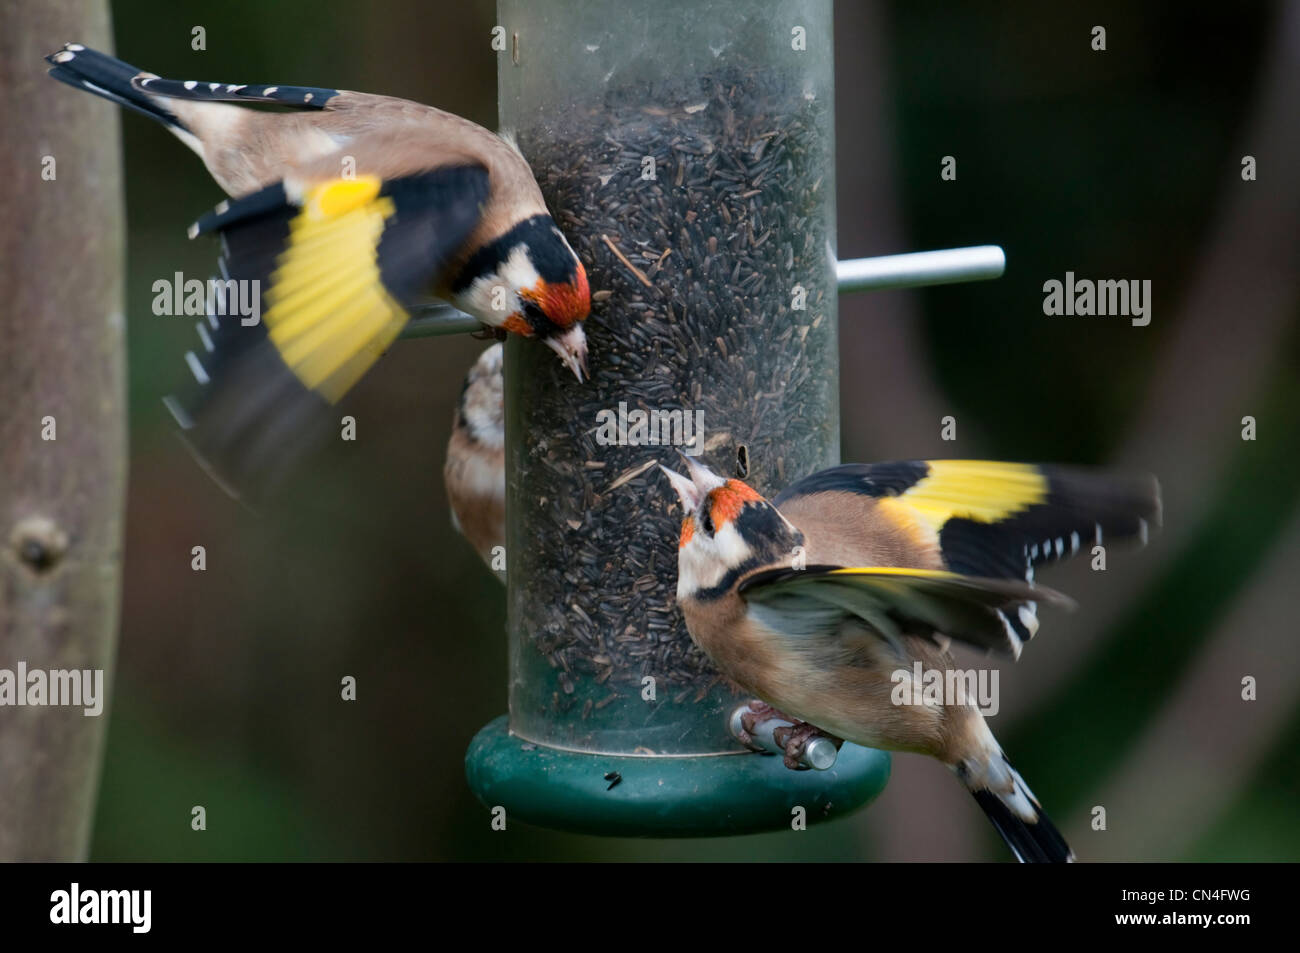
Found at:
(62, 356)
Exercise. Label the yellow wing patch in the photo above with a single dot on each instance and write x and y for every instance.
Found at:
(896, 571)
(342, 195)
(329, 314)
(981, 490)
(1007, 587)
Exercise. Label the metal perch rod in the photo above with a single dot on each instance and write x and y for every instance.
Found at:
(820, 752)
(913, 270)
(918, 269)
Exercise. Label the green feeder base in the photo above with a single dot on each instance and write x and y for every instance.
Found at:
(702, 796)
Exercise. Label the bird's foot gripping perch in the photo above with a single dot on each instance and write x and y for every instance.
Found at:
(801, 745)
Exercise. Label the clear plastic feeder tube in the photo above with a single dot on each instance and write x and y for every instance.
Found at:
(686, 150)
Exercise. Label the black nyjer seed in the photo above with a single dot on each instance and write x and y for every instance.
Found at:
(705, 228)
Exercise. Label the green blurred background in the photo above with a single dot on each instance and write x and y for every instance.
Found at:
(1115, 164)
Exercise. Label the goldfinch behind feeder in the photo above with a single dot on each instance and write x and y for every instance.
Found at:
(475, 472)
(824, 600)
(347, 208)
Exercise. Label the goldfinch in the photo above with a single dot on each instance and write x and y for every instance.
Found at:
(827, 600)
(347, 209)
(475, 472)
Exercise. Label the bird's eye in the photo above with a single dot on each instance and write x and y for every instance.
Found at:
(531, 310)
(706, 522)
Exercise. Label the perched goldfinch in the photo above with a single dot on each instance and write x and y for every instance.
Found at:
(475, 472)
(347, 208)
(822, 601)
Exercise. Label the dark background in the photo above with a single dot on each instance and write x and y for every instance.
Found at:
(1115, 164)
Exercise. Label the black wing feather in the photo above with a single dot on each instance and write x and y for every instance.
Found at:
(253, 417)
(1078, 507)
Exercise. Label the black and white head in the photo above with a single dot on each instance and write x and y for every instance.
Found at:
(480, 415)
(530, 282)
(728, 530)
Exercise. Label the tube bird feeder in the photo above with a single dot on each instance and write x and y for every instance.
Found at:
(687, 152)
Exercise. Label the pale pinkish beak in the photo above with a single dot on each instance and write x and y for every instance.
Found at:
(693, 489)
(571, 346)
